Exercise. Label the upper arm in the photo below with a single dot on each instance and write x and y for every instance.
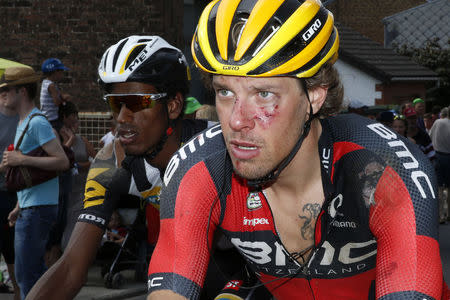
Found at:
(89, 147)
(181, 256)
(54, 148)
(53, 91)
(404, 222)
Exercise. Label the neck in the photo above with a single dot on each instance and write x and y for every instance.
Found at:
(25, 107)
(304, 169)
(172, 144)
(52, 77)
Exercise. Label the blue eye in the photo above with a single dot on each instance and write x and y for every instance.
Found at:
(224, 93)
(265, 94)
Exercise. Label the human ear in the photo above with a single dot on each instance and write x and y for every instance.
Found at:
(175, 106)
(317, 96)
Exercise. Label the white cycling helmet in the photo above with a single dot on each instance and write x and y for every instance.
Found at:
(148, 59)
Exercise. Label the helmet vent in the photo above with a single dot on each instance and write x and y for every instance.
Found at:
(274, 29)
(144, 41)
(105, 60)
(237, 30)
(116, 55)
(134, 54)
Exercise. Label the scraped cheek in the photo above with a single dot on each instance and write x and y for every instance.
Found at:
(266, 115)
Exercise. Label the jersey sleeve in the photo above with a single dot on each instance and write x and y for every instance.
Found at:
(404, 222)
(181, 256)
(104, 185)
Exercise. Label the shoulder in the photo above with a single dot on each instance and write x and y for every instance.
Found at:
(39, 124)
(38, 118)
(365, 133)
(105, 172)
(202, 147)
(374, 141)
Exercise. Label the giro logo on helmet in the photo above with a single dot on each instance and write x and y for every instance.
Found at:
(234, 68)
(313, 29)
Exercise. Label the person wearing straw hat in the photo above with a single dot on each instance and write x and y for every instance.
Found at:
(36, 207)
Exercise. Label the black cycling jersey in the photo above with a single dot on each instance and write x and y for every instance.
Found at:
(109, 187)
(375, 236)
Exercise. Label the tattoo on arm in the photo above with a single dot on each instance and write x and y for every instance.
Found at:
(311, 212)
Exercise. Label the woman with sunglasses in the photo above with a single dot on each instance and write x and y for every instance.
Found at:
(145, 81)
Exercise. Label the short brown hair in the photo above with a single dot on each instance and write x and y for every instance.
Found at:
(328, 76)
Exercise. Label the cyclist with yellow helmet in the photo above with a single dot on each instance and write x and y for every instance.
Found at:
(320, 206)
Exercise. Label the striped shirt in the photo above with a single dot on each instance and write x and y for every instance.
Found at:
(48, 107)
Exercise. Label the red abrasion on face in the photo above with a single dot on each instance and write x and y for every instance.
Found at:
(266, 114)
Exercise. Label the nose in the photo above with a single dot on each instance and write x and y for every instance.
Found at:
(125, 115)
(242, 115)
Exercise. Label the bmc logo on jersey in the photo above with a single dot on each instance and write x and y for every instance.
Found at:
(154, 282)
(410, 163)
(256, 221)
(262, 253)
(187, 148)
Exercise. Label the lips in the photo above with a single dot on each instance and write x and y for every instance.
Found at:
(244, 150)
(127, 136)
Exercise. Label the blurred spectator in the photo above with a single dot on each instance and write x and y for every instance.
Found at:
(419, 107)
(400, 125)
(84, 153)
(386, 118)
(51, 95)
(116, 231)
(191, 106)
(435, 112)
(405, 106)
(207, 112)
(428, 121)
(8, 120)
(420, 137)
(440, 135)
(109, 137)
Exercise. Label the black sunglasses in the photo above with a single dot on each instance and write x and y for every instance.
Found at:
(134, 102)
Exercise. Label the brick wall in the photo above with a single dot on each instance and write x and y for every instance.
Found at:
(365, 16)
(78, 32)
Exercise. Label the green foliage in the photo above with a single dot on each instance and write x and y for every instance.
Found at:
(436, 58)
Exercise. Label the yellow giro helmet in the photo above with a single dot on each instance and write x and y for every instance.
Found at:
(262, 38)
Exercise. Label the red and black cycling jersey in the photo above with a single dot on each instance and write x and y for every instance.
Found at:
(375, 236)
